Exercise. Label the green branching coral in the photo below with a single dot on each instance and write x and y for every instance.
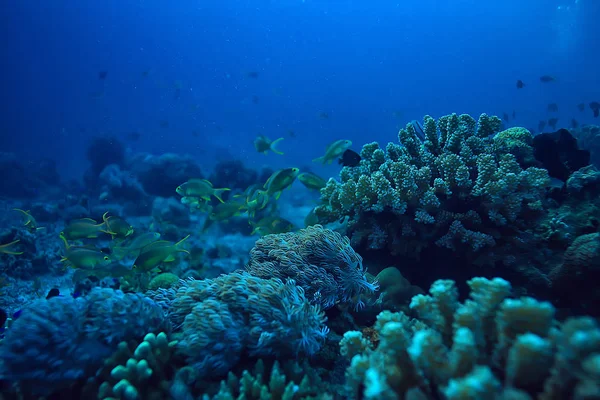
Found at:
(466, 181)
(489, 347)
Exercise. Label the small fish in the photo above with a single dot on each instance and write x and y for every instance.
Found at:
(312, 181)
(196, 203)
(581, 106)
(418, 130)
(263, 144)
(102, 75)
(574, 123)
(514, 114)
(595, 106)
(157, 253)
(133, 136)
(323, 115)
(135, 245)
(85, 228)
(547, 79)
(227, 210)
(505, 117)
(163, 124)
(541, 126)
(350, 158)
(84, 257)
(255, 99)
(252, 75)
(520, 84)
(311, 219)
(53, 293)
(280, 180)
(117, 227)
(271, 226)
(552, 107)
(291, 133)
(552, 122)
(334, 150)
(10, 248)
(200, 188)
(256, 201)
(28, 220)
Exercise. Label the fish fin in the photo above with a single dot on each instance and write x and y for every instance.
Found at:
(320, 160)
(170, 258)
(274, 144)
(41, 227)
(219, 192)
(182, 240)
(86, 220)
(277, 195)
(21, 211)
(63, 259)
(4, 248)
(64, 239)
(207, 181)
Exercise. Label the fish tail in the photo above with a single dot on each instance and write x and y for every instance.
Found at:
(274, 144)
(219, 192)
(4, 248)
(321, 160)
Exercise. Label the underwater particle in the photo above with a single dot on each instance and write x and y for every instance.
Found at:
(312, 181)
(102, 75)
(200, 188)
(350, 158)
(547, 79)
(581, 106)
(595, 106)
(334, 150)
(263, 144)
(552, 107)
(53, 293)
(520, 84)
(541, 126)
(157, 253)
(280, 180)
(10, 248)
(552, 122)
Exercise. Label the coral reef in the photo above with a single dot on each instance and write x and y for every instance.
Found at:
(489, 347)
(320, 260)
(220, 320)
(160, 175)
(559, 153)
(462, 189)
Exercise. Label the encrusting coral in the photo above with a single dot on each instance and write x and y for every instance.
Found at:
(489, 347)
(457, 189)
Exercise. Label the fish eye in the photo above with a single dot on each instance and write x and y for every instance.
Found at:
(106, 258)
(134, 266)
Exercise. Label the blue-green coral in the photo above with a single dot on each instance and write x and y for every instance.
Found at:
(319, 260)
(489, 347)
(220, 320)
(464, 178)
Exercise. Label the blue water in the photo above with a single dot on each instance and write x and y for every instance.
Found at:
(370, 66)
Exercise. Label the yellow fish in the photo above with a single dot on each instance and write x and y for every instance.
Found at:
(9, 248)
(334, 151)
(280, 180)
(156, 253)
(271, 225)
(263, 144)
(117, 227)
(312, 181)
(84, 257)
(85, 228)
(28, 220)
(200, 188)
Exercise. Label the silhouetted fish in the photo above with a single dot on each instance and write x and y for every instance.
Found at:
(53, 293)
(574, 123)
(163, 124)
(134, 136)
(505, 117)
(418, 130)
(552, 107)
(514, 114)
(595, 106)
(552, 122)
(547, 78)
(102, 75)
(581, 106)
(252, 74)
(350, 158)
(520, 84)
(255, 99)
(541, 126)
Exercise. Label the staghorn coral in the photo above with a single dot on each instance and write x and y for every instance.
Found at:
(489, 347)
(57, 341)
(320, 260)
(237, 314)
(457, 190)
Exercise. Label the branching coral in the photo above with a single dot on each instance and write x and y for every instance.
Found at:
(320, 260)
(489, 347)
(457, 189)
(238, 314)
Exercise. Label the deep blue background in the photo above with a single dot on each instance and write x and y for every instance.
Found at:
(370, 65)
